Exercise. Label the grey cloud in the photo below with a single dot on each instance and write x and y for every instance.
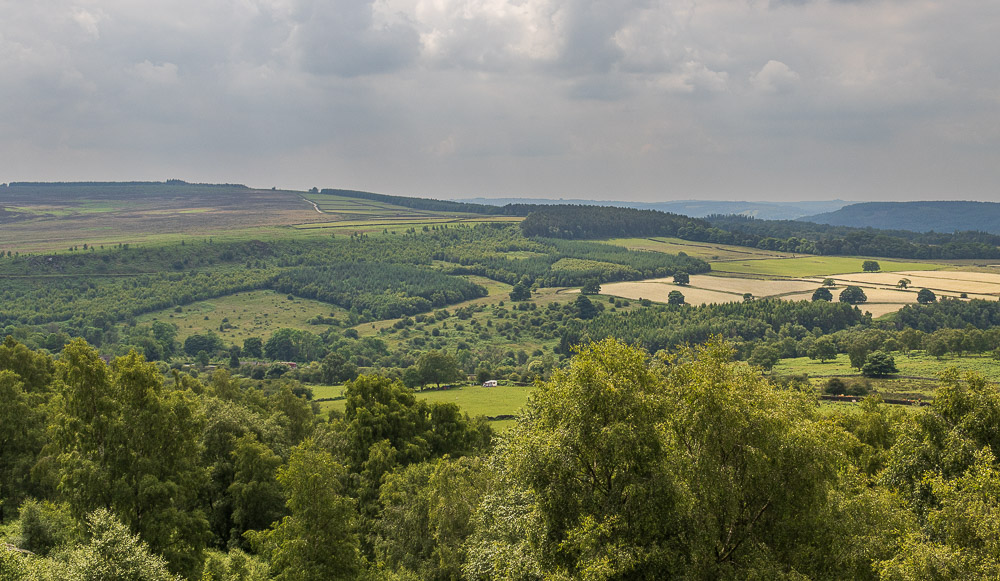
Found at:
(340, 37)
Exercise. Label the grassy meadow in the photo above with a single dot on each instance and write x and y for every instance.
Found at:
(248, 314)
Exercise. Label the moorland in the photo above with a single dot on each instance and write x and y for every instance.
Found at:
(222, 382)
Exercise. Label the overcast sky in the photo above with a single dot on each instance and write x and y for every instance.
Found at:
(614, 99)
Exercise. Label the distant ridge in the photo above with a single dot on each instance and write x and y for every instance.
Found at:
(941, 216)
(692, 208)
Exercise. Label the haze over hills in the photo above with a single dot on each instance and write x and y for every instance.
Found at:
(693, 208)
(940, 216)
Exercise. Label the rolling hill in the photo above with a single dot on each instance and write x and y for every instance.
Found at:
(941, 216)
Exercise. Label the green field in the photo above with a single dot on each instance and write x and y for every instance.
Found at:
(246, 314)
(918, 372)
(474, 400)
(814, 266)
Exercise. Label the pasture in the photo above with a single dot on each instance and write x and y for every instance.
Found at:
(474, 400)
(247, 314)
(918, 375)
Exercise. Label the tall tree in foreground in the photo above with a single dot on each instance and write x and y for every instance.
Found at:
(317, 541)
(694, 466)
(124, 442)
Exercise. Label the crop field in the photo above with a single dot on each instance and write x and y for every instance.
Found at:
(705, 289)
(948, 282)
(810, 266)
(703, 250)
(247, 314)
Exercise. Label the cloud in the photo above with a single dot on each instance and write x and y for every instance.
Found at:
(774, 77)
(341, 37)
(163, 74)
(612, 98)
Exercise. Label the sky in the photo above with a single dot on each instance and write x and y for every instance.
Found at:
(641, 100)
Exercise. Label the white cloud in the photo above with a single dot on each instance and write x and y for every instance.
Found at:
(774, 77)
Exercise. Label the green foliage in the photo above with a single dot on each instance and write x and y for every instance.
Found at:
(437, 367)
(675, 298)
(234, 566)
(879, 364)
(682, 278)
(926, 296)
(113, 554)
(592, 287)
(317, 540)
(384, 290)
(870, 266)
(853, 295)
(822, 294)
(823, 349)
(43, 526)
(520, 292)
(293, 345)
(625, 469)
(585, 309)
(122, 440)
(427, 516)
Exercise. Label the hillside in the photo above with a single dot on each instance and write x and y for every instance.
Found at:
(692, 208)
(942, 216)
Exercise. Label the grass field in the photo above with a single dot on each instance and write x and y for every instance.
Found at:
(246, 314)
(917, 377)
(473, 400)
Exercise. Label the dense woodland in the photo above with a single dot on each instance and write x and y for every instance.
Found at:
(623, 466)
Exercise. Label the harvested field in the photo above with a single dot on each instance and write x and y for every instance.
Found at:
(949, 282)
(807, 266)
(759, 288)
(659, 289)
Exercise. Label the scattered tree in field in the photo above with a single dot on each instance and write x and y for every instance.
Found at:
(903, 283)
(853, 295)
(675, 298)
(879, 364)
(592, 287)
(520, 292)
(829, 282)
(764, 356)
(870, 266)
(748, 297)
(926, 296)
(822, 294)
(823, 349)
(437, 367)
(682, 278)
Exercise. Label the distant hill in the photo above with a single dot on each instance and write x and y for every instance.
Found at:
(692, 208)
(944, 216)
